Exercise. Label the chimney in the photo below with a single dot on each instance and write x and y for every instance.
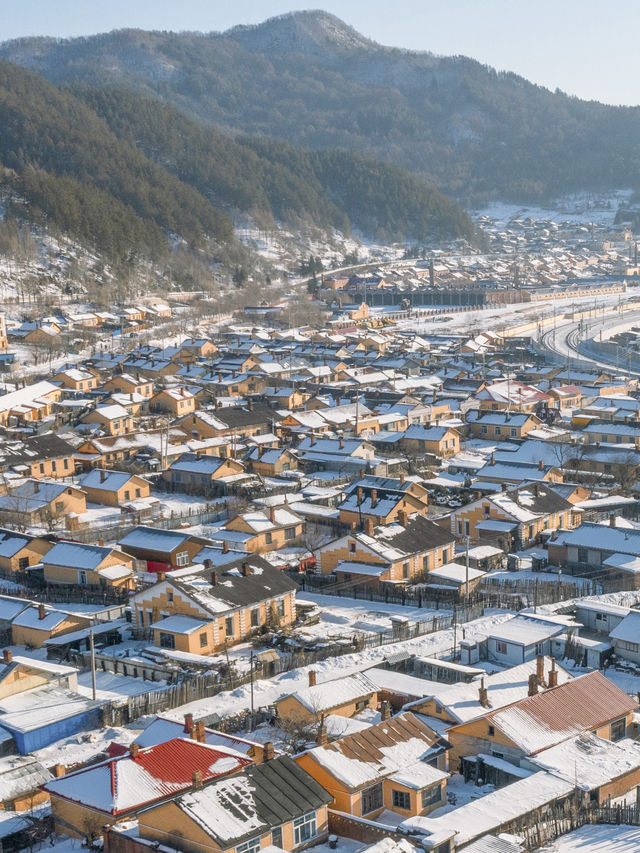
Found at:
(59, 770)
(361, 473)
(207, 563)
(213, 578)
(374, 497)
(435, 395)
(312, 678)
(540, 465)
(161, 576)
(261, 450)
(201, 736)
(492, 461)
(533, 684)
(188, 723)
(7, 654)
(134, 749)
(267, 751)
(536, 489)
(36, 487)
(225, 547)
(41, 611)
(540, 669)
(553, 674)
(246, 570)
(483, 696)
(341, 442)
(322, 739)
(359, 493)
(313, 439)
(101, 543)
(103, 475)
(368, 526)
(402, 479)
(612, 521)
(196, 779)
(385, 710)
(504, 486)
(272, 514)
(402, 517)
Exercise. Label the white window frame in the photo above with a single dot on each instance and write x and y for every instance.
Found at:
(83, 580)
(182, 558)
(250, 846)
(299, 825)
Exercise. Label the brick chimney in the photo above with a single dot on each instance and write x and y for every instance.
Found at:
(196, 779)
(612, 521)
(246, 570)
(268, 751)
(359, 494)
(161, 576)
(59, 770)
(134, 749)
(225, 547)
(341, 442)
(101, 543)
(533, 684)
(368, 526)
(103, 475)
(188, 723)
(261, 451)
(7, 655)
(313, 439)
(536, 489)
(385, 710)
(402, 518)
(540, 465)
(312, 678)
(483, 696)
(492, 461)
(272, 514)
(201, 736)
(553, 674)
(504, 486)
(213, 578)
(42, 612)
(401, 479)
(540, 668)
(374, 497)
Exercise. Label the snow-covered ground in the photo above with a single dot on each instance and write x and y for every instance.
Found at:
(583, 207)
(111, 687)
(85, 746)
(597, 839)
(341, 617)
(266, 692)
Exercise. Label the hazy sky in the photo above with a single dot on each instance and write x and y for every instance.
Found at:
(585, 47)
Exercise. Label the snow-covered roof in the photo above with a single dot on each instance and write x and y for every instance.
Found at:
(332, 694)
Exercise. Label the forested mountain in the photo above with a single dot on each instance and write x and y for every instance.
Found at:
(122, 172)
(310, 79)
(270, 178)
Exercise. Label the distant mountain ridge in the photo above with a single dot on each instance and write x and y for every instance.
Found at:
(309, 78)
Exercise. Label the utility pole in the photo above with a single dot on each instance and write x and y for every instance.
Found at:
(466, 580)
(251, 681)
(455, 631)
(93, 664)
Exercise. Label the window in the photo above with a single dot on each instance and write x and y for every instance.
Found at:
(425, 562)
(290, 533)
(361, 704)
(513, 432)
(491, 731)
(583, 557)
(304, 828)
(167, 641)
(170, 595)
(401, 799)
(486, 510)
(466, 527)
(618, 729)
(372, 799)
(276, 837)
(53, 465)
(182, 559)
(444, 555)
(255, 617)
(352, 547)
(66, 463)
(280, 607)
(405, 570)
(498, 430)
(82, 577)
(127, 495)
(539, 648)
(459, 526)
(59, 506)
(203, 639)
(42, 467)
(23, 563)
(268, 538)
(137, 493)
(228, 626)
(483, 429)
(501, 648)
(251, 846)
(431, 796)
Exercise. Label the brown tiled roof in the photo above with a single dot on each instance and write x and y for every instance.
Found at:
(367, 745)
(583, 704)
